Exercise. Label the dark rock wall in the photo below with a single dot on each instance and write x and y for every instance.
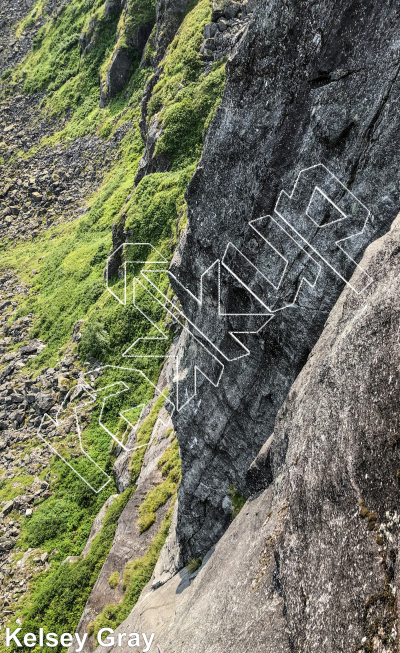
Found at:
(311, 563)
(310, 83)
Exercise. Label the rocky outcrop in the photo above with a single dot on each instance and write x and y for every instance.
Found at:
(136, 25)
(169, 15)
(112, 6)
(150, 162)
(129, 542)
(229, 22)
(311, 563)
(309, 83)
(221, 38)
(118, 72)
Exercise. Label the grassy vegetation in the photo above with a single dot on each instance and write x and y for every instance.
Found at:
(238, 501)
(143, 437)
(136, 575)
(69, 286)
(170, 465)
(55, 59)
(11, 488)
(193, 565)
(114, 579)
(59, 596)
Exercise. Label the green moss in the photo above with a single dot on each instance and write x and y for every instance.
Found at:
(170, 465)
(114, 579)
(136, 575)
(193, 565)
(238, 501)
(143, 437)
(59, 596)
(70, 283)
(169, 462)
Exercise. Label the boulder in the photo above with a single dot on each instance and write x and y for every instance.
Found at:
(43, 402)
(209, 44)
(111, 7)
(209, 30)
(231, 9)
(7, 508)
(6, 544)
(32, 347)
(16, 399)
(21, 501)
(70, 560)
(218, 9)
(63, 383)
(249, 6)
(218, 39)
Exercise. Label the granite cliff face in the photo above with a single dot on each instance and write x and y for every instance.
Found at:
(312, 561)
(276, 203)
(309, 83)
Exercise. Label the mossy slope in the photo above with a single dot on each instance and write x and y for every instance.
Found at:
(70, 262)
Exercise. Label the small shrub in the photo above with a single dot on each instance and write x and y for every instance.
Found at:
(68, 43)
(106, 130)
(30, 21)
(37, 41)
(95, 340)
(238, 501)
(100, 257)
(61, 78)
(114, 579)
(48, 522)
(88, 4)
(6, 74)
(193, 565)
